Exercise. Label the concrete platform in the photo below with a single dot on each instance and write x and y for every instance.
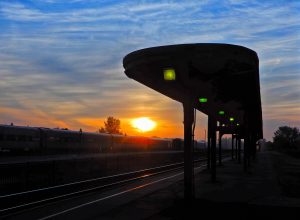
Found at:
(236, 195)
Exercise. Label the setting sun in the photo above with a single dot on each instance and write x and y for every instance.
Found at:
(143, 124)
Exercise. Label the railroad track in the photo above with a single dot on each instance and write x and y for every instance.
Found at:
(15, 202)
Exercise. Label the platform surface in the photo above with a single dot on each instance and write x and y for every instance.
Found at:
(236, 194)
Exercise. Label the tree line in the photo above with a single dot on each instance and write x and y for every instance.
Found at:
(111, 126)
(286, 139)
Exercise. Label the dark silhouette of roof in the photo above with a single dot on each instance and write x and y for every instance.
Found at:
(226, 75)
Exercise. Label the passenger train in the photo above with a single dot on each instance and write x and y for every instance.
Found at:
(21, 139)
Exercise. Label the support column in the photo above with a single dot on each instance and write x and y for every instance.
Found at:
(220, 148)
(239, 150)
(247, 141)
(232, 149)
(249, 149)
(236, 146)
(246, 146)
(188, 151)
(254, 147)
(208, 146)
(212, 131)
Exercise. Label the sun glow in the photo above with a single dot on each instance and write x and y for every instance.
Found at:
(143, 124)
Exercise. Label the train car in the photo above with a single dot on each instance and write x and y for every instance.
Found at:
(58, 140)
(96, 142)
(61, 141)
(19, 138)
(66, 141)
(160, 144)
(177, 144)
(123, 143)
(130, 143)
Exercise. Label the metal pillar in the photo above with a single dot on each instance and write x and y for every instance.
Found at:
(220, 148)
(254, 148)
(232, 149)
(212, 123)
(247, 141)
(249, 149)
(246, 146)
(236, 146)
(208, 146)
(188, 151)
(239, 150)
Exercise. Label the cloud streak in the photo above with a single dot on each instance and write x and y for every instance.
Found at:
(64, 58)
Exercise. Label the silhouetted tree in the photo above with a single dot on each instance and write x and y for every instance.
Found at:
(102, 130)
(112, 125)
(286, 137)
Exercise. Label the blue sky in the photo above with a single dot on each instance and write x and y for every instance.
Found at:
(61, 61)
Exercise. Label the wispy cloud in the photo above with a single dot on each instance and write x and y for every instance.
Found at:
(64, 58)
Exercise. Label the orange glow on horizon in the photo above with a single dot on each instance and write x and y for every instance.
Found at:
(167, 125)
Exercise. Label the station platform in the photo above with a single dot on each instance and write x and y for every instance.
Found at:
(236, 194)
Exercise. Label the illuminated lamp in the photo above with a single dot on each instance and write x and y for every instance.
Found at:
(169, 74)
(221, 113)
(202, 100)
(231, 119)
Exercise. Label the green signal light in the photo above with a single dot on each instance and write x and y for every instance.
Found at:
(231, 119)
(169, 74)
(221, 113)
(202, 100)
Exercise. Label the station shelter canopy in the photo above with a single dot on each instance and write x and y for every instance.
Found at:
(221, 80)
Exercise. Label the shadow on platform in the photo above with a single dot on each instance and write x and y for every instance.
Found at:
(207, 209)
(236, 194)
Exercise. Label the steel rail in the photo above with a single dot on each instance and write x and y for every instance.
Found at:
(113, 195)
(25, 199)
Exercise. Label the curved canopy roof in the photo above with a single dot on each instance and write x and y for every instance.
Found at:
(225, 76)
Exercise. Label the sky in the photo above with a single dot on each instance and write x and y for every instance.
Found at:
(61, 61)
